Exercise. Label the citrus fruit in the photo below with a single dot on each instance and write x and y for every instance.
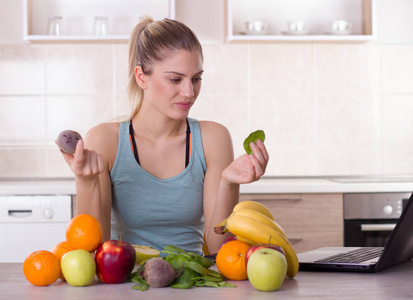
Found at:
(41, 268)
(145, 252)
(84, 232)
(230, 260)
(61, 249)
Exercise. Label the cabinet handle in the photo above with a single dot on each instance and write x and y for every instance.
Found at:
(377, 227)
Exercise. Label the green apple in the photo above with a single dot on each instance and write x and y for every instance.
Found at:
(266, 269)
(78, 267)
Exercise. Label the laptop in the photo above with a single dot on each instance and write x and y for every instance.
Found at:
(398, 249)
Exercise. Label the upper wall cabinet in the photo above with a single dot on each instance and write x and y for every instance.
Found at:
(301, 20)
(92, 20)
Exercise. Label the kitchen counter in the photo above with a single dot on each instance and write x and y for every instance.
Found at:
(334, 184)
(266, 185)
(393, 283)
(37, 186)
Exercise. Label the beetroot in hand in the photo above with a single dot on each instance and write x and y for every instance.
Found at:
(67, 140)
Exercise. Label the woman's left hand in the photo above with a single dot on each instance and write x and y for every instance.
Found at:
(248, 168)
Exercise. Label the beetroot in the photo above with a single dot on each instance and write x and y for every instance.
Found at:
(159, 273)
(67, 140)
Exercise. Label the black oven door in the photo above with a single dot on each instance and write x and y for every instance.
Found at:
(367, 233)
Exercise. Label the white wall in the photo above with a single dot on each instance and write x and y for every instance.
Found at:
(327, 108)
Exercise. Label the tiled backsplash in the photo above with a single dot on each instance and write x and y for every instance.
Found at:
(326, 108)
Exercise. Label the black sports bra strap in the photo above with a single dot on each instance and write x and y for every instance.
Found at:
(133, 142)
(188, 144)
(187, 148)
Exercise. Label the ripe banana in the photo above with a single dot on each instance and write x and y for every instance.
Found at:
(242, 239)
(260, 233)
(256, 215)
(254, 206)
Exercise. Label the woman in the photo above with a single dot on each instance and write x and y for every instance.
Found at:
(162, 178)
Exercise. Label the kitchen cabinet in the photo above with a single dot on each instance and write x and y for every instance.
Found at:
(309, 220)
(205, 18)
(317, 13)
(78, 18)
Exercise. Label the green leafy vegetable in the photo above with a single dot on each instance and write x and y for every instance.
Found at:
(170, 248)
(253, 137)
(195, 271)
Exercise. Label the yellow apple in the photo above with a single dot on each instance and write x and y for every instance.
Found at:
(266, 269)
(78, 267)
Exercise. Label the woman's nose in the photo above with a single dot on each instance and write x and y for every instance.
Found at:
(187, 89)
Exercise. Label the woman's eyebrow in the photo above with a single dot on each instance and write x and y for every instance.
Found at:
(180, 74)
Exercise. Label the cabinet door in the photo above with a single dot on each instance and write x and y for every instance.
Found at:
(310, 220)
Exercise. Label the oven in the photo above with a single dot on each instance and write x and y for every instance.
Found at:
(369, 218)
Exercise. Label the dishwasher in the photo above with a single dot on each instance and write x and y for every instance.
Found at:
(32, 222)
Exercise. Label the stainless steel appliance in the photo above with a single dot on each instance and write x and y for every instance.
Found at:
(369, 218)
(32, 222)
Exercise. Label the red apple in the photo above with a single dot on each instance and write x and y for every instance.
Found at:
(114, 261)
(231, 238)
(254, 248)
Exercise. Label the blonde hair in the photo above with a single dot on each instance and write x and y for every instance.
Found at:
(152, 41)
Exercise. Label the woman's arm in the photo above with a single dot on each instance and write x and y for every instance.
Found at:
(224, 175)
(91, 165)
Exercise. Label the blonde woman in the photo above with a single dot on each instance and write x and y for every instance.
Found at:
(161, 177)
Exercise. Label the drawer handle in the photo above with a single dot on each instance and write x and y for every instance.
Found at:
(294, 241)
(281, 199)
(20, 213)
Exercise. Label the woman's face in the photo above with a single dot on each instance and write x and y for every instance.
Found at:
(174, 84)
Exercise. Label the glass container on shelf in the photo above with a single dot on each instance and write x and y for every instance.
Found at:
(103, 20)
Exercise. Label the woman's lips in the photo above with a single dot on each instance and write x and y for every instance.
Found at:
(184, 105)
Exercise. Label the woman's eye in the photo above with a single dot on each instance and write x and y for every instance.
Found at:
(197, 79)
(175, 80)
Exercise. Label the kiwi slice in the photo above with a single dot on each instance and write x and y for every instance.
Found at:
(253, 137)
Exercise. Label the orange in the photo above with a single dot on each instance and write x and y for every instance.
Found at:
(61, 249)
(230, 260)
(41, 268)
(84, 232)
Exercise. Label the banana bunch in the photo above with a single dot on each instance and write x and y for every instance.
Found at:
(253, 223)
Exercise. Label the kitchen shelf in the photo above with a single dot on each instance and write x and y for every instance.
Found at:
(318, 13)
(78, 17)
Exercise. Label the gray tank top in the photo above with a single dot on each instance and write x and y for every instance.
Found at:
(149, 211)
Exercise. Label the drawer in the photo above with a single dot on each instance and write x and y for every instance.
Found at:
(304, 241)
(303, 212)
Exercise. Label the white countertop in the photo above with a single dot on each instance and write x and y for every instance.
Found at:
(266, 185)
(37, 186)
(393, 283)
(350, 184)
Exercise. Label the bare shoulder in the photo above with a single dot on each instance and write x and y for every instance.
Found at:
(103, 138)
(216, 140)
(213, 130)
(103, 133)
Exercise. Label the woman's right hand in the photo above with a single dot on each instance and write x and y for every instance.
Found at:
(84, 163)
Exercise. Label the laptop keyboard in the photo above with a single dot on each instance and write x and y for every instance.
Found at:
(354, 256)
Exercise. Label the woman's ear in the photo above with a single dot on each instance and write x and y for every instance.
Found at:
(140, 77)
